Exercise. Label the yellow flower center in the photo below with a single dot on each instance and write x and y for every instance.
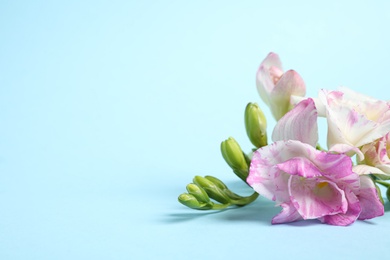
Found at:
(324, 191)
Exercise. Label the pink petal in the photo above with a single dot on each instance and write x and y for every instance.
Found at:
(272, 60)
(300, 166)
(298, 124)
(291, 83)
(321, 110)
(338, 168)
(350, 216)
(375, 154)
(269, 72)
(314, 198)
(288, 214)
(272, 165)
(268, 180)
(369, 200)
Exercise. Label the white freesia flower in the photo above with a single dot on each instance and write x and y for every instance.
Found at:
(354, 119)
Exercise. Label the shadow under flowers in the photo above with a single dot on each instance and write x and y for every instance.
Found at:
(260, 210)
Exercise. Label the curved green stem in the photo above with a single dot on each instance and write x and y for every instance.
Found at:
(246, 200)
(220, 206)
(383, 183)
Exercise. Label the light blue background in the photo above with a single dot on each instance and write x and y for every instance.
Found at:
(109, 108)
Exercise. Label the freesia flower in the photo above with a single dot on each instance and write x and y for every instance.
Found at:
(276, 87)
(376, 157)
(354, 119)
(308, 183)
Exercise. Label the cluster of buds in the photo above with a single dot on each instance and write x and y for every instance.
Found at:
(206, 188)
(201, 193)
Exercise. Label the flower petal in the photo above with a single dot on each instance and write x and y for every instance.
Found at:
(348, 123)
(321, 110)
(288, 214)
(362, 169)
(270, 70)
(338, 168)
(373, 109)
(347, 149)
(375, 154)
(350, 216)
(291, 83)
(298, 124)
(369, 200)
(272, 165)
(314, 198)
(266, 178)
(300, 166)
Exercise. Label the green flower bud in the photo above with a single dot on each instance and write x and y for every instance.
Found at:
(388, 193)
(223, 187)
(233, 155)
(189, 200)
(199, 193)
(256, 125)
(217, 182)
(212, 190)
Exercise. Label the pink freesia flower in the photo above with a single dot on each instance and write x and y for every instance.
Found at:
(276, 87)
(376, 157)
(308, 183)
(354, 119)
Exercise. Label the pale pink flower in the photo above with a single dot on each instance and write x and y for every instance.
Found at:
(277, 88)
(308, 183)
(354, 119)
(376, 157)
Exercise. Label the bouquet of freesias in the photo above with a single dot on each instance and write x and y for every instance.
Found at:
(336, 186)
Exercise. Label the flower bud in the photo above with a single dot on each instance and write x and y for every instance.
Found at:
(212, 190)
(217, 182)
(199, 193)
(388, 193)
(189, 200)
(233, 155)
(224, 188)
(256, 125)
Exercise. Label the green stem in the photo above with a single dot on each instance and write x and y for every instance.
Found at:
(246, 200)
(383, 183)
(220, 206)
(232, 195)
